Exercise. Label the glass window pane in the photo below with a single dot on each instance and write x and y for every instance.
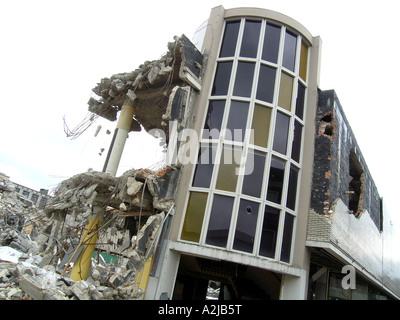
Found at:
(266, 84)
(296, 145)
(275, 182)
(250, 39)
(271, 43)
(236, 127)
(220, 219)
(292, 188)
(229, 168)
(246, 226)
(289, 51)
(301, 91)
(303, 61)
(287, 237)
(260, 125)
(194, 216)
(269, 232)
(222, 78)
(281, 133)
(244, 79)
(204, 167)
(230, 38)
(285, 91)
(212, 125)
(254, 171)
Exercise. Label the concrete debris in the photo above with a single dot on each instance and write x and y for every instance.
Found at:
(34, 265)
(149, 86)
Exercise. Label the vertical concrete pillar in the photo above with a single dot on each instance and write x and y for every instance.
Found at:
(294, 288)
(118, 141)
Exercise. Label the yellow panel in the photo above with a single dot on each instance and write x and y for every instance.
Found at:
(260, 125)
(194, 216)
(303, 61)
(143, 276)
(81, 265)
(285, 91)
(229, 165)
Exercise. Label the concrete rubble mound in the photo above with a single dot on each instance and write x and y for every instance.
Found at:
(37, 246)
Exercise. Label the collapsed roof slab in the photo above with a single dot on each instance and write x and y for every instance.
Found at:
(149, 86)
(134, 190)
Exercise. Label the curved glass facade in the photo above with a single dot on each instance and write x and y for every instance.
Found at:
(243, 194)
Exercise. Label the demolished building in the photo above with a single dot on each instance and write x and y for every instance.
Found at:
(280, 220)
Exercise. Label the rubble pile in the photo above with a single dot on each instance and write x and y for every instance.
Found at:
(37, 265)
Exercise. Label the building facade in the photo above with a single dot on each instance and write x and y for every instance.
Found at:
(278, 195)
(38, 198)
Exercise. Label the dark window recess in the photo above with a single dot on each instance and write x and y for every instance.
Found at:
(356, 184)
(281, 133)
(204, 167)
(289, 51)
(236, 126)
(326, 125)
(222, 78)
(275, 182)
(292, 188)
(296, 146)
(244, 79)
(301, 92)
(246, 226)
(266, 84)
(220, 218)
(287, 237)
(230, 38)
(253, 175)
(34, 198)
(269, 232)
(271, 43)
(250, 39)
(212, 125)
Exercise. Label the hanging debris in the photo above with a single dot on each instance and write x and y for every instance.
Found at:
(150, 85)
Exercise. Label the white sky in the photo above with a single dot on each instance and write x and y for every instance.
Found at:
(54, 52)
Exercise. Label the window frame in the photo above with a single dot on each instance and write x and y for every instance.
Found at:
(247, 145)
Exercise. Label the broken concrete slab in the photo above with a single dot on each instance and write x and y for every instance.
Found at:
(151, 84)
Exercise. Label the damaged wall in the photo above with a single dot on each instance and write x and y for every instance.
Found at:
(346, 212)
(339, 165)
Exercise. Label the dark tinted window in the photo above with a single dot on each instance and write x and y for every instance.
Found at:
(236, 126)
(212, 125)
(275, 182)
(298, 128)
(266, 84)
(300, 101)
(287, 237)
(244, 79)
(222, 78)
(204, 167)
(220, 218)
(281, 133)
(289, 51)
(292, 189)
(250, 39)
(271, 43)
(252, 181)
(230, 38)
(246, 226)
(269, 232)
